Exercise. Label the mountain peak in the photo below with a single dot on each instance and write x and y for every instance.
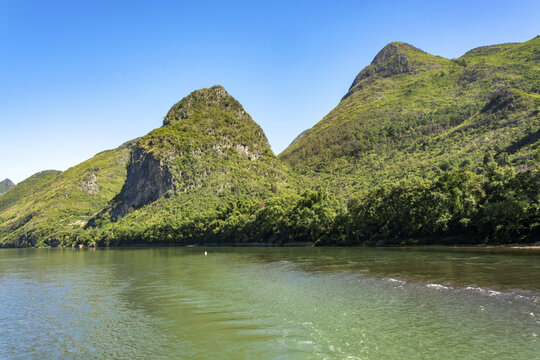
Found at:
(7, 182)
(394, 51)
(5, 185)
(393, 59)
(201, 100)
(204, 136)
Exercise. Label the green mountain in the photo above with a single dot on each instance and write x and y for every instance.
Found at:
(410, 114)
(50, 205)
(209, 153)
(5, 185)
(420, 150)
(208, 158)
(207, 141)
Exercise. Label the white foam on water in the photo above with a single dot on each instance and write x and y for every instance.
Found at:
(438, 286)
(396, 280)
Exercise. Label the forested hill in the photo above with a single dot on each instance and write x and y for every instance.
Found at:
(48, 207)
(420, 150)
(411, 114)
(208, 154)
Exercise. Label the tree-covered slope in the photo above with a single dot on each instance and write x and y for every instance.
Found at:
(208, 153)
(410, 114)
(420, 150)
(5, 185)
(52, 205)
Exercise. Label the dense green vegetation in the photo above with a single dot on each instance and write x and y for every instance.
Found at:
(413, 115)
(421, 150)
(208, 152)
(496, 207)
(51, 205)
(459, 207)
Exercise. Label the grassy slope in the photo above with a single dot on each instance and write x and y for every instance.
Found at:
(438, 115)
(50, 205)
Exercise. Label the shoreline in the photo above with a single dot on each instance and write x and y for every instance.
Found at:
(534, 246)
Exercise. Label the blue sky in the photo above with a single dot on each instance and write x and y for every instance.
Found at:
(79, 77)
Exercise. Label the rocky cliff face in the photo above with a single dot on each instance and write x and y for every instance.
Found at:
(5, 185)
(147, 180)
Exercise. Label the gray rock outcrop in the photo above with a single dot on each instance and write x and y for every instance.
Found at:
(147, 180)
(5, 185)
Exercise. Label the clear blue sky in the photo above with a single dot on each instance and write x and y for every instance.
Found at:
(79, 77)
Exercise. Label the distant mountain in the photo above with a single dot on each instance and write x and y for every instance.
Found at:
(5, 185)
(411, 114)
(50, 205)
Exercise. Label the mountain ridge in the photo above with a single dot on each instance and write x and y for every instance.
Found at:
(424, 111)
(412, 128)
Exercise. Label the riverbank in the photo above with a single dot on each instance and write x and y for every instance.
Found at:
(535, 246)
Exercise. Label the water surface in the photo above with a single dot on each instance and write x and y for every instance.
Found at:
(270, 303)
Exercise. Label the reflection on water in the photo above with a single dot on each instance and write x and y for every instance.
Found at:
(270, 303)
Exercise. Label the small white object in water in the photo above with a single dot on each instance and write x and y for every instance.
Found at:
(205, 253)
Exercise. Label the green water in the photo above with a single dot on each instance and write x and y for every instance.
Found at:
(269, 303)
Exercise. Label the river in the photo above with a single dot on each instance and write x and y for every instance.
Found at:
(270, 303)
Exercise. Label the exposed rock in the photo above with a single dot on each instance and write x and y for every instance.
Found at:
(89, 184)
(7, 182)
(242, 149)
(222, 148)
(5, 185)
(80, 223)
(390, 61)
(245, 152)
(147, 180)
